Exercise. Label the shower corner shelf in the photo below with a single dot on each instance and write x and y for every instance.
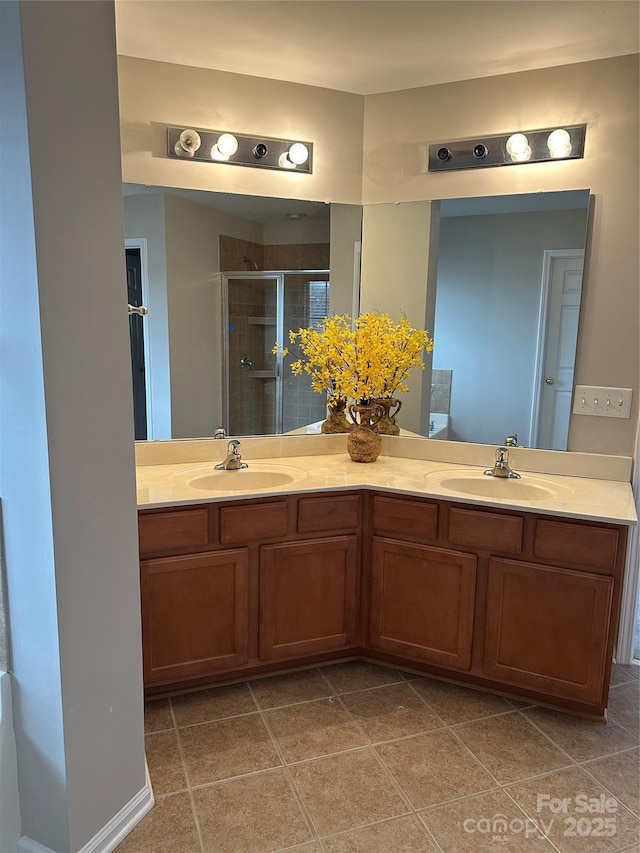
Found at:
(261, 321)
(261, 374)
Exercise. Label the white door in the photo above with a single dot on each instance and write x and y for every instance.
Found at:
(559, 315)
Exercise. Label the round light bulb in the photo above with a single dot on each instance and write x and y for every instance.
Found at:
(522, 155)
(559, 143)
(227, 144)
(298, 153)
(284, 162)
(189, 141)
(517, 144)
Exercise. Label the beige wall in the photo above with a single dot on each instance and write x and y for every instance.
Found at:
(155, 94)
(399, 126)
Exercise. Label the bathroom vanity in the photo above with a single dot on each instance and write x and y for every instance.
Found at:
(506, 594)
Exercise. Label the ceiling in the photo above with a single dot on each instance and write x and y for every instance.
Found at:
(371, 46)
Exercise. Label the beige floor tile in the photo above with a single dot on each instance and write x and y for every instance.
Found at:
(624, 706)
(168, 828)
(157, 716)
(488, 822)
(226, 748)
(346, 791)
(255, 814)
(312, 847)
(287, 689)
(623, 672)
(433, 768)
(620, 774)
(510, 747)
(390, 712)
(311, 729)
(575, 829)
(215, 703)
(403, 834)
(459, 704)
(582, 739)
(359, 675)
(165, 763)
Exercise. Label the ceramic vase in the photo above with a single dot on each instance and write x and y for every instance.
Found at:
(337, 421)
(390, 407)
(364, 441)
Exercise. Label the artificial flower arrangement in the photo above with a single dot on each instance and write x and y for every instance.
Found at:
(370, 360)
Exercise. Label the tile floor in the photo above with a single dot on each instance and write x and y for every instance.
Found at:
(357, 758)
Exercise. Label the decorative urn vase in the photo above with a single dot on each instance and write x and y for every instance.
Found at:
(390, 407)
(364, 441)
(337, 421)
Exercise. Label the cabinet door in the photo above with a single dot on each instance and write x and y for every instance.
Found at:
(547, 628)
(422, 602)
(194, 614)
(308, 596)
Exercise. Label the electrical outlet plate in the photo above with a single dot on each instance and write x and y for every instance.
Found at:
(603, 402)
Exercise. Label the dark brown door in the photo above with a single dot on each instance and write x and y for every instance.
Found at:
(547, 628)
(194, 614)
(422, 602)
(308, 596)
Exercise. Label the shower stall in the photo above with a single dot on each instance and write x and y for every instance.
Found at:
(260, 394)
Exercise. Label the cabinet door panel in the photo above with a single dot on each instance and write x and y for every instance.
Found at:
(422, 602)
(178, 530)
(194, 614)
(308, 596)
(402, 517)
(547, 628)
(581, 544)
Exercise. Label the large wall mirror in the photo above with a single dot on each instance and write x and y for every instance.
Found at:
(508, 292)
(502, 279)
(224, 277)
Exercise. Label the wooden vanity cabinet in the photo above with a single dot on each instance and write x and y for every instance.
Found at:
(238, 585)
(512, 601)
(509, 600)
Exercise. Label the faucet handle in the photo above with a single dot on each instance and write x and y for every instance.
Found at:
(502, 454)
(234, 444)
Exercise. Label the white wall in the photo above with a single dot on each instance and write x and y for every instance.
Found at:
(487, 312)
(345, 244)
(399, 126)
(67, 472)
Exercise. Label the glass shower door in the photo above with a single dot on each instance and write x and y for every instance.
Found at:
(306, 303)
(252, 311)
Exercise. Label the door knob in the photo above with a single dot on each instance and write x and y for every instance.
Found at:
(549, 380)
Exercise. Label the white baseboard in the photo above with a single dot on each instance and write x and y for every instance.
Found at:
(108, 838)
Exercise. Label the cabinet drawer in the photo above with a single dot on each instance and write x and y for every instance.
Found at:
(339, 512)
(180, 530)
(577, 544)
(489, 530)
(258, 521)
(397, 517)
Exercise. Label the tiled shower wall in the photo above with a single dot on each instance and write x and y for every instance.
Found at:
(441, 391)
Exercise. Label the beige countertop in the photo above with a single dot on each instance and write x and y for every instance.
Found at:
(182, 474)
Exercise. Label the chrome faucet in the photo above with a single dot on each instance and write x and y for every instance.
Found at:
(233, 461)
(501, 466)
(220, 433)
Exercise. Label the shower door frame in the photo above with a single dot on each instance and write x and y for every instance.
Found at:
(263, 275)
(279, 276)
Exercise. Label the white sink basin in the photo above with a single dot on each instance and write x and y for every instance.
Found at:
(252, 478)
(478, 484)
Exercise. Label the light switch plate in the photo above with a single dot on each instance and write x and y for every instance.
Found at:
(603, 402)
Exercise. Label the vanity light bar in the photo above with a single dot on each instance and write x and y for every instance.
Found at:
(509, 149)
(220, 146)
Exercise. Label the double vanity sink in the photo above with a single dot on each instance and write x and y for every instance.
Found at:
(419, 560)
(181, 472)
